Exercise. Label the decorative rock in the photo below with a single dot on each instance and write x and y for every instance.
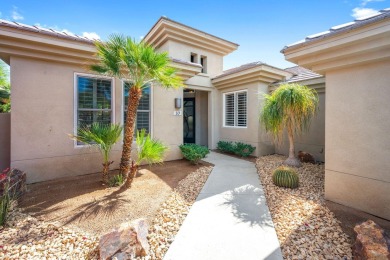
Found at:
(306, 157)
(370, 242)
(126, 242)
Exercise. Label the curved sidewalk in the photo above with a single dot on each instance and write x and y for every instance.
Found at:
(230, 218)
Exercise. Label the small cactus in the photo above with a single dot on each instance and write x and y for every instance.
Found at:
(285, 177)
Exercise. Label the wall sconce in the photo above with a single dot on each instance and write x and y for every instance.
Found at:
(177, 102)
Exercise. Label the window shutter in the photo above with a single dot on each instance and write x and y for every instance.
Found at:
(229, 109)
(241, 109)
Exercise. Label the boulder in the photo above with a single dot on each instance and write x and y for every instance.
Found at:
(370, 242)
(306, 157)
(126, 242)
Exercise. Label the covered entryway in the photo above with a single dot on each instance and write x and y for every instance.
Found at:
(195, 117)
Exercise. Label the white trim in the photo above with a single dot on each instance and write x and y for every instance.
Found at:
(150, 107)
(235, 108)
(75, 100)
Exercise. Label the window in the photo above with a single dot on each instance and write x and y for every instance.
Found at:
(235, 109)
(194, 58)
(94, 101)
(143, 111)
(203, 62)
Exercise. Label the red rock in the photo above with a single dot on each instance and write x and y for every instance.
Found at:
(370, 242)
(306, 157)
(126, 242)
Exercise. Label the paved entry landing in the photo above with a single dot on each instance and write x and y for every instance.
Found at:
(230, 218)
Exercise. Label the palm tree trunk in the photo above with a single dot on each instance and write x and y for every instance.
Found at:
(134, 98)
(291, 160)
(132, 174)
(106, 168)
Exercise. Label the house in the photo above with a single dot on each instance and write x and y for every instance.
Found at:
(355, 58)
(53, 93)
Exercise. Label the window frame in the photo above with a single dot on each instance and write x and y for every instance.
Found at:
(123, 81)
(235, 116)
(76, 100)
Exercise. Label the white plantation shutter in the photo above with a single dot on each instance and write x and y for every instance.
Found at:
(229, 109)
(241, 109)
(235, 109)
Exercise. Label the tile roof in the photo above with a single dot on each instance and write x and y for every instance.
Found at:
(301, 73)
(381, 15)
(185, 62)
(50, 32)
(243, 67)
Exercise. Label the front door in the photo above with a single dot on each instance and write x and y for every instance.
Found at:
(189, 120)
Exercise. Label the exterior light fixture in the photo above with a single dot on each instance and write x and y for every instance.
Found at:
(177, 102)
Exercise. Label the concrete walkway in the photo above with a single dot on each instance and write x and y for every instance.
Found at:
(230, 218)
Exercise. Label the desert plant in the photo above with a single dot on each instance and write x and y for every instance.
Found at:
(7, 197)
(149, 150)
(123, 57)
(193, 152)
(290, 107)
(116, 180)
(285, 177)
(243, 150)
(226, 147)
(102, 136)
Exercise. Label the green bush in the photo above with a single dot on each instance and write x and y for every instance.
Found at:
(244, 150)
(116, 180)
(226, 147)
(193, 152)
(285, 177)
(238, 148)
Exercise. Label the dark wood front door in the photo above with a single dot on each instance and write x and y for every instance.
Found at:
(189, 120)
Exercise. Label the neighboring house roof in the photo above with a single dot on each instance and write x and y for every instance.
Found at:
(50, 32)
(166, 29)
(335, 30)
(301, 73)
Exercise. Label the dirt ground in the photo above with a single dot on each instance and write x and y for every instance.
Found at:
(83, 202)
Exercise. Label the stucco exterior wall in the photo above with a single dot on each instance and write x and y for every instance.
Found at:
(43, 116)
(252, 134)
(5, 140)
(313, 141)
(357, 137)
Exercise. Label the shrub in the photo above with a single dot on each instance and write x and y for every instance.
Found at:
(285, 177)
(6, 198)
(227, 147)
(116, 180)
(238, 148)
(194, 152)
(243, 150)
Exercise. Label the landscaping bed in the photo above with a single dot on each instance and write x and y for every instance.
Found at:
(64, 219)
(305, 226)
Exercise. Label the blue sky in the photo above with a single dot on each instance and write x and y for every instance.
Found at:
(262, 28)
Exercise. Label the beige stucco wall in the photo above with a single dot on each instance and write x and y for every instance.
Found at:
(357, 137)
(313, 141)
(43, 116)
(5, 140)
(253, 134)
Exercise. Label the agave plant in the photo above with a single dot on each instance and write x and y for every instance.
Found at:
(290, 107)
(149, 150)
(102, 136)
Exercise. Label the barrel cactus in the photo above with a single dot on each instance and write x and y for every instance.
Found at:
(285, 177)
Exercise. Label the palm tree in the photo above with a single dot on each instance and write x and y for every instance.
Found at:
(102, 136)
(148, 150)
(141, 64)
(291, 107)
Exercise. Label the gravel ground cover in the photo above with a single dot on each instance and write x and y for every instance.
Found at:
(27, 237)
(306, 228)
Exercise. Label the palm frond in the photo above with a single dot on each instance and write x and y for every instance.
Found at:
(148, 149)
(290, 105)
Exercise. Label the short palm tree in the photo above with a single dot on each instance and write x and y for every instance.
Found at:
(141, 64)
(290, 107)
(149, 150)
(102, 136)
